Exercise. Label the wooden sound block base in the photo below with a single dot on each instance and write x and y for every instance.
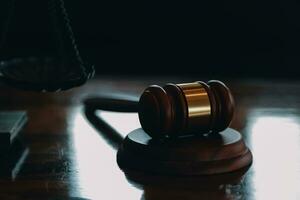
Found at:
(218, 153)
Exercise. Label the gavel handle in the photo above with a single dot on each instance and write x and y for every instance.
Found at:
(108, 103)
(112, 103)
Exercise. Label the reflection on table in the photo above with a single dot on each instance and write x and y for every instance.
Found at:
(70, 158)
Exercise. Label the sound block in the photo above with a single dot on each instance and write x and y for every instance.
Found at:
(211, 154)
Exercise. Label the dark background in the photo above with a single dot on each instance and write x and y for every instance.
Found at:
(234, 38)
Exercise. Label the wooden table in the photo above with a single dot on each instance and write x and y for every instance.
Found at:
(69, 159)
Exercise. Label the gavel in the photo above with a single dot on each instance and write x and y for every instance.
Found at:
(176, 109)
(185, 131)
(187, 108)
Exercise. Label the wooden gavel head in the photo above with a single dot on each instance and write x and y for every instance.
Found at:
(184, 109)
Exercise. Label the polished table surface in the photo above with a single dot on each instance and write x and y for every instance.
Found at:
(70, 159)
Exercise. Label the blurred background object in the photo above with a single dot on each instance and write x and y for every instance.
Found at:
(60, 70)
(215, 38)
